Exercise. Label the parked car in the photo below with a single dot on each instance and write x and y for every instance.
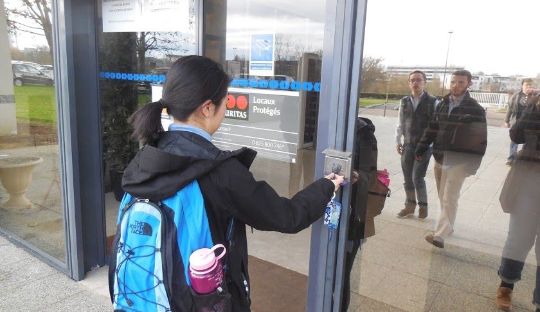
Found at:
(47, 70)
(28, 73)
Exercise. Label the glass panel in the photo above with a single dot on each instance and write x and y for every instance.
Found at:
(30, 192)
(273, 53)
(437, 245)
(134, 56)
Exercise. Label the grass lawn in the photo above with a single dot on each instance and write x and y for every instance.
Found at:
(365, 102)
(143, 99)
(36, 103)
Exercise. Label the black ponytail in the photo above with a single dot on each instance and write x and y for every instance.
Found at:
(191, 81)
(146, 122)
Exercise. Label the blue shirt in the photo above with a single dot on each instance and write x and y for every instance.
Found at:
(190, 128)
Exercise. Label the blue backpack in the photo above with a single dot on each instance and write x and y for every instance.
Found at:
(148, 269)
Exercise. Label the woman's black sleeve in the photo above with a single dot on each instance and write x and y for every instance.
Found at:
(257, 204)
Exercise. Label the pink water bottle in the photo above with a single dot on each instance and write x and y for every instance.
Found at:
(205, 269)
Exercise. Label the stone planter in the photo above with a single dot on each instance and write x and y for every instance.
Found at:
(16, 175)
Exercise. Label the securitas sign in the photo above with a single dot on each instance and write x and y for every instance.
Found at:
(237, 106)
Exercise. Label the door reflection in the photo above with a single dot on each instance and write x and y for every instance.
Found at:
(439, 239)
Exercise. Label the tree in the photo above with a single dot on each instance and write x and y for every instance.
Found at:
(34, 17)
(165, 43)
(372, 73)
(118, 98)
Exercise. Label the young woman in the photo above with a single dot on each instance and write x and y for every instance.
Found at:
(520, 197)
(195, 94)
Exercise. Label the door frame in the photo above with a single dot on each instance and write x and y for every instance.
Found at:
(342, 63)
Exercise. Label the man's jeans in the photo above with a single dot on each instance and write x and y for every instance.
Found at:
(414, 172)
(513, 151)
(523, 230)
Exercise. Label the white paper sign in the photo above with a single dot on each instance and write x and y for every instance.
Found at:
(145, 15)
(261, 55)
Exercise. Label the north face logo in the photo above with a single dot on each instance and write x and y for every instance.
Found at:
(141, 228)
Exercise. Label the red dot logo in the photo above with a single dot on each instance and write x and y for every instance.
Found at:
(241, 102)
(237, 106)
(231, 101)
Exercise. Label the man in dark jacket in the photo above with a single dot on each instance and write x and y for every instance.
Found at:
(458, 132)
(516, 105)
(415, 112)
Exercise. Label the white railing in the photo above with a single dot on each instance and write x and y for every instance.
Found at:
(489, 99)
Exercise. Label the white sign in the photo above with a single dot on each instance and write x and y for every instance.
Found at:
(261, 55)
(145, 15)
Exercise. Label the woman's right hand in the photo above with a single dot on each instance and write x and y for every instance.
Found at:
(336, 179)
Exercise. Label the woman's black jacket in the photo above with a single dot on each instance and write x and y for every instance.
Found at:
(229, 190)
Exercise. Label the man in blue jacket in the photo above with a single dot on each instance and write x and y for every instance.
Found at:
(458, 132)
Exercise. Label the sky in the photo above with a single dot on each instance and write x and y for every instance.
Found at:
(498, 36)
(495, 36)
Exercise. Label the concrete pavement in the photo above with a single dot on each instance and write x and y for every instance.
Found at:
(28, 284)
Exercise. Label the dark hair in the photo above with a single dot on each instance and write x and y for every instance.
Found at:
(191, 81)
(418, 72)
(527, 80)
(463, 72)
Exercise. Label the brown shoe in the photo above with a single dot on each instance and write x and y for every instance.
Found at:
(422, 213)
(406, 212)
(435, 240)
(504, 298)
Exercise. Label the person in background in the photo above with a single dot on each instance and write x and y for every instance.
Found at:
(361, 218)
(415, 112)
(458, 132)
(523, 206)
(516, 105)
(195, 94)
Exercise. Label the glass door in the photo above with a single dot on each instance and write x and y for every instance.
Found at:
(31, 185)
(138, 41)
(477, 201)
(273, 52)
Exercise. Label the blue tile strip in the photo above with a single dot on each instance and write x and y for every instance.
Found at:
(238, 83)
(132, 77)
(277, 85)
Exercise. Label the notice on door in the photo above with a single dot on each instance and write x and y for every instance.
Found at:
(261, 55)
(145, 15)
(264, 120)
(267, 121)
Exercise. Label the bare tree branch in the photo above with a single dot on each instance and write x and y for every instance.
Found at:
(25, 25)
(36, 11)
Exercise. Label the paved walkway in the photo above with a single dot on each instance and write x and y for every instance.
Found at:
(28, 284)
